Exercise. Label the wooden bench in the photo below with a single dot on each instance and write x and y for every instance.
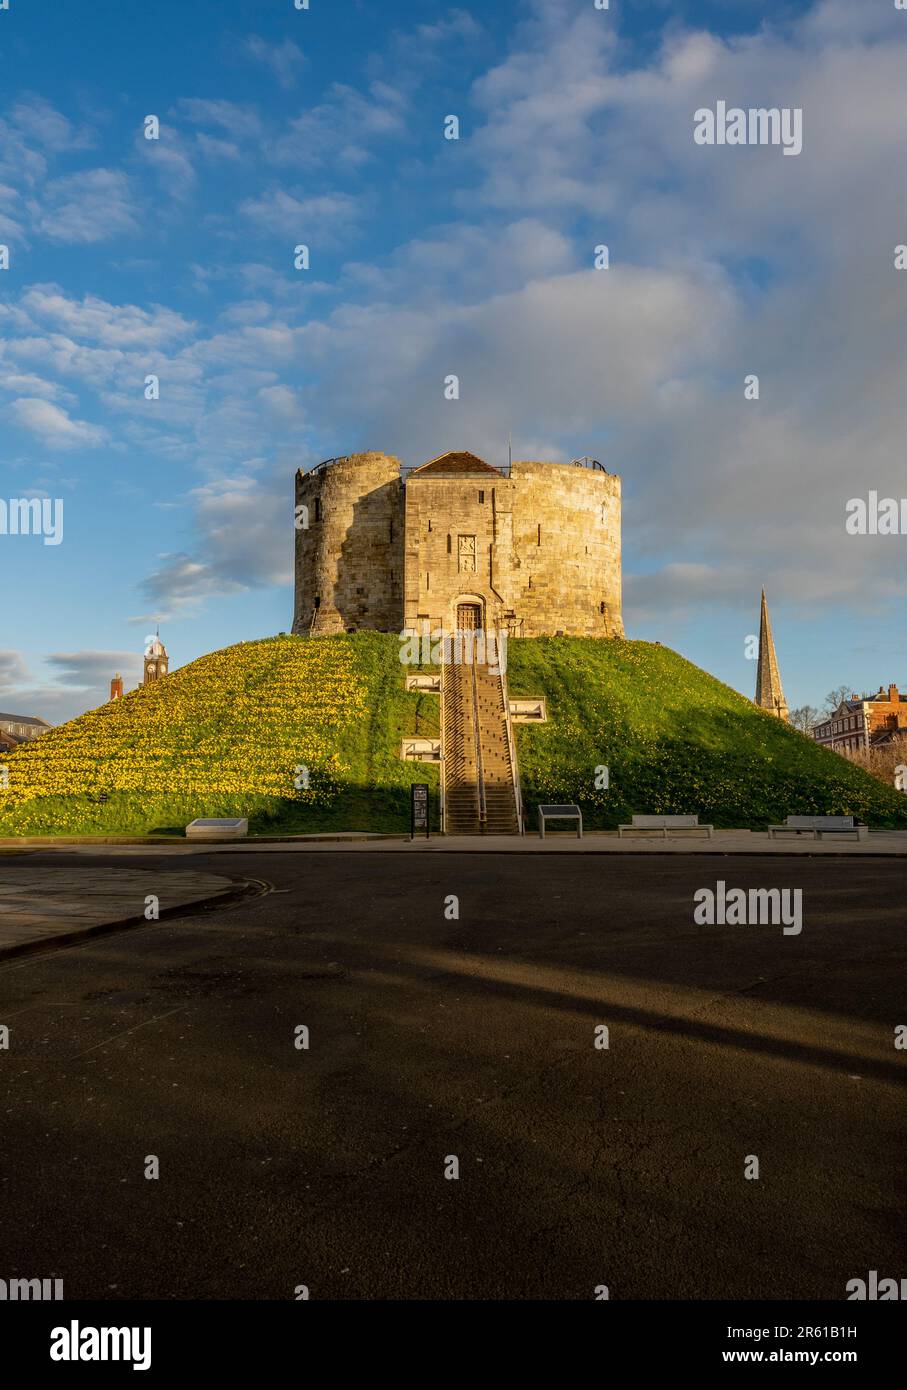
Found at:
(817, 826)
(561, 813)
(673, 825)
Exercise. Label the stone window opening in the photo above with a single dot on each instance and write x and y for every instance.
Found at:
(317, 508)
(448, 543)
(317, 600)
(429, 523)
(601, 607)
(428, 579)
(539, 540)
(481, 496)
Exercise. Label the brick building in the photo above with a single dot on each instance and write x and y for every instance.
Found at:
(20, 728)
(866, 721)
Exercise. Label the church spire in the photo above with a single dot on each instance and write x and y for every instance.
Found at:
(769, 695)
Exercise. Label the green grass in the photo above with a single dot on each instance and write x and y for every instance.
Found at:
(224, 735)
(674, 740)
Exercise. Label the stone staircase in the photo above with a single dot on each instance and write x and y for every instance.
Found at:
(480, 795)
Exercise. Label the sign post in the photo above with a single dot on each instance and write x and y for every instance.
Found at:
(418, 809)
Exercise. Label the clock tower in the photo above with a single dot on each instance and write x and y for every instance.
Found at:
(156, 662)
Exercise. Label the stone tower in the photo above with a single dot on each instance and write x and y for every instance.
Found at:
(534, 545)
(349, 546)
(116, 687)
(156, 662)
(769, 695)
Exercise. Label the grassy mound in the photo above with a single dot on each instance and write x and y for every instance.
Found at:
(674, 740)
(224, 736)
(227, 734)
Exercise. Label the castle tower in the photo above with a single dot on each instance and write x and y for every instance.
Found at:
(349, 546)
(156, 662)
(535, 545)
(116, 687)
(769, 695)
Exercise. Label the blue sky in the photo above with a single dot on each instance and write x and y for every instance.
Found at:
(174, 257)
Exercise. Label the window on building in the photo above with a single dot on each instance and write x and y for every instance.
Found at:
(429, 523)
(448, 544)
(317, 600)
(601, 606)
(481, 496)
(317, 508)
(539, 541)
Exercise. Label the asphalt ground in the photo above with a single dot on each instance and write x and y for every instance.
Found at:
(433, 1038)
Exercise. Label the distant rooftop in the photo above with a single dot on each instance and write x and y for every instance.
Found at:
(25, 719)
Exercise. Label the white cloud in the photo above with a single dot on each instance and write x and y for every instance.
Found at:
(284, 59)
(40, 123)
(282, 406)
(341, 130)
(325, 218)
(98, 321)
(168, 158)
(13, 670)
(234, 119)
(90, 206)
(25, 383)
(91, 669)
(53, 426)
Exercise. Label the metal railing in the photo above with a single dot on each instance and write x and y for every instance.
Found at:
(511, 748)
(588, 462)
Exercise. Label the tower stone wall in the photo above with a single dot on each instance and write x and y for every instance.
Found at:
(349, 546)
(540, 550)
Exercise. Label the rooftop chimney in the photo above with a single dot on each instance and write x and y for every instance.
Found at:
(893, 695)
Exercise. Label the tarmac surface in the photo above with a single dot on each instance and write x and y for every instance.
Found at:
(432, 1038)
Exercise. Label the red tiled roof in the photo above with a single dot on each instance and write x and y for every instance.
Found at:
(456, 462)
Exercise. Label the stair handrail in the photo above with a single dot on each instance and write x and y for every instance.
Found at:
(511, 747)
(480, 770)
(442, 774)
